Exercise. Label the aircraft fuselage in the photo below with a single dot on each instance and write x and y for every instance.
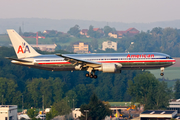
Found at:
(149, 60)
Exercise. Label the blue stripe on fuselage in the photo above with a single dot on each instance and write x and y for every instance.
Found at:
(100, 56)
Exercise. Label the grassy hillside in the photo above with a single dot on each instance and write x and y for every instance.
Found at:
(169, 73)
(117, 104)
(5, 41)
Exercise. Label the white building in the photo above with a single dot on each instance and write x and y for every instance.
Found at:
(23, 116)
(81, 48)
(76, 113)
(8, 112)
(110, 45)
(158, 114)
(174, 105)
(45, 47)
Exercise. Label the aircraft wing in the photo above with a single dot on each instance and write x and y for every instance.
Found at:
(74, 61)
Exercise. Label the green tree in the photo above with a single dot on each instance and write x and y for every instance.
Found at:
(33, 88)
(32, 113)
(63, 38)
(71, 98)
(94, 34)
(8, 89)
(75, 31)
(147, 90)
(169, 41)
(162, 96)
(177, 89)
(59, 89)
(62, 107)
(84, 93)
(97, 110)
(143, 42)
(110, 50)
(49, 116)
(94, 44)
(107, 30)
(51, 89)
(157, 31)
(105, 86)
(53, 113)
(91, 32)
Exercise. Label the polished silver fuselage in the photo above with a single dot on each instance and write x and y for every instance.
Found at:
(149, 60)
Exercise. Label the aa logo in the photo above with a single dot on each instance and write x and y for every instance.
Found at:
(23, 48)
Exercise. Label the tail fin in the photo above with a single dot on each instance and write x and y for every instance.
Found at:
(21, 47)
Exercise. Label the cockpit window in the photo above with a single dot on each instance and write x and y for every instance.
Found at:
(167, 57)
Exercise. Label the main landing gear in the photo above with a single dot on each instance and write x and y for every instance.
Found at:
(91, 73)
(162, 71)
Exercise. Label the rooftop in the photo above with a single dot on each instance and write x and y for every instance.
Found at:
(7, 106)
(158, 112)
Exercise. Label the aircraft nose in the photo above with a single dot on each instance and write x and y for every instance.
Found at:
(174, 61)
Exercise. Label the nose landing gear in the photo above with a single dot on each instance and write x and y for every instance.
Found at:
(162, 74)
(162, 71)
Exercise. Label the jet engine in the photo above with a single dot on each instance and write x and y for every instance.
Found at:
(110, 67)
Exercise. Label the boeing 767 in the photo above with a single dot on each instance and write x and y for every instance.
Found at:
(105, 62)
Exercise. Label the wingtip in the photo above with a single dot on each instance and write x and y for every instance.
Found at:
(10, 29)
(6, 57)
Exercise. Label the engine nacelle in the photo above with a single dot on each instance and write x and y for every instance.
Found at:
(108, 67)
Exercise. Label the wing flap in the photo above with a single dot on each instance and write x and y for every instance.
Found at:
(74, 60)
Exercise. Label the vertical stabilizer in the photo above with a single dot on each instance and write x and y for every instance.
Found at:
(21, 47)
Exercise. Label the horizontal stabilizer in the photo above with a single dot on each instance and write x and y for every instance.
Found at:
(20, 60)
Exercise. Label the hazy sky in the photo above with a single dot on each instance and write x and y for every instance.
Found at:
(127, 11)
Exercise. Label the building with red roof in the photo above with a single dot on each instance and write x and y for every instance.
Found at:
(129, 32)
(98, 30)
(84, 32)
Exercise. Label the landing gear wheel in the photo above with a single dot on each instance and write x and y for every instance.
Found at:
(91, 76)
(162, 74)
(95, 76)
(162, 71)
(87, 74)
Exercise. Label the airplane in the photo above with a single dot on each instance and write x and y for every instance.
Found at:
(105, 62)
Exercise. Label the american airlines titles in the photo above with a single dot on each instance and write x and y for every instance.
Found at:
(141, 56)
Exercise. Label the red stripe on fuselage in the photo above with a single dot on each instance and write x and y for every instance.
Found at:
(55, 63)
(129, 61)
(139, 61)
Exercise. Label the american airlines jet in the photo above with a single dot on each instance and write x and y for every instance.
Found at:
(108, 62)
